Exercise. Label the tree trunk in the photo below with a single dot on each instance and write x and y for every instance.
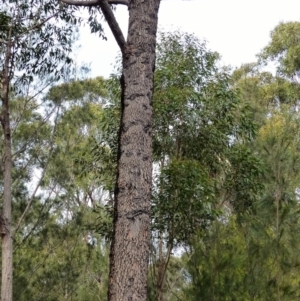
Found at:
(5, 218)
(160, 270)
(131, 234)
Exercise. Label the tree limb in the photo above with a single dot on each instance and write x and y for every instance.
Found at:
(36, 26)
(108, 14)
(113, 24)
(115, 2)
(93, 2)
(32, 198)
(81, 3)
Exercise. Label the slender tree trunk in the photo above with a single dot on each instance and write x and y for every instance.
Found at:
(160, 270)
(162, 266)
(277, 200)
(131, 235)
(160, 261)
(7, 268)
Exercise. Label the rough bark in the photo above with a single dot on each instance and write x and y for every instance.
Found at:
(131, 235)
(7, 268)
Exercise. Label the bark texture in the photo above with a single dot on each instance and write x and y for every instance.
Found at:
(5, 218)
(131, 236)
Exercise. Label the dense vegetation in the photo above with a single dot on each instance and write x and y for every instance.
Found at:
(225, 197)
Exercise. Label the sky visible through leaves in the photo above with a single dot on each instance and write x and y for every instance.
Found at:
(236, 29)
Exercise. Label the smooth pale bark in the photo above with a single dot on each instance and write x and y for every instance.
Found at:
(7, 267)
(131, 235)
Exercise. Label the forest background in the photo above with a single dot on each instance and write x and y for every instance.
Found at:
(225, 193)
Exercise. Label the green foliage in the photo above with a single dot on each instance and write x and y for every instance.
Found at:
(205, 166)
(244, 183)
(183, 202)
(261, 187)
(246, 247)
(217, 266)
(225, 190)
(284, 48)
(198, 120)
(61, 261)
(39, 34)
(59, 252)
(4, 21)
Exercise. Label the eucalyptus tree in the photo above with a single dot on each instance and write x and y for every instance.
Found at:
(246, 163)
(31, 146)
(283, 49)
(194, 168)
(270, 228)
(251, 252)
(200, 128)
(59, 252)
(34, 45)
(131, 234)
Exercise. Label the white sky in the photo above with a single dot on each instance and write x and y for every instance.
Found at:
(237, 29)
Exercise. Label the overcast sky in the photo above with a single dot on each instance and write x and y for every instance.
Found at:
(237, 29)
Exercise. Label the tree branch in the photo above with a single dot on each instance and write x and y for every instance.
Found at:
(36, 26)
(81, 3)
(113, 24)
(93, 2)
(108, 14)
(32, 198)
(116, 2)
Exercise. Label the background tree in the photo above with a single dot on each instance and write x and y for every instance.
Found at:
(58, 252)
(29, 48)
(199, 128)
(268, 225)
(36, 43)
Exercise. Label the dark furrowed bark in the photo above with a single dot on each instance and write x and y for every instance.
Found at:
(131, 237)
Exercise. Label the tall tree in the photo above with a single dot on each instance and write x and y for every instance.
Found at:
(6, 283)
(284, 49)
(28, 48)
(62, 214)
(131, 233)
(200, 127)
